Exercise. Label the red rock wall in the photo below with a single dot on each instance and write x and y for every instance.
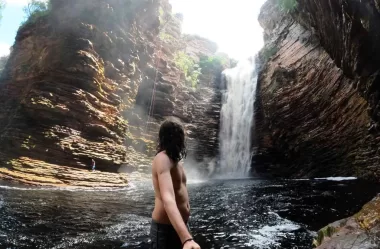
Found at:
(313, 114)
(68, 80)
(78, 86)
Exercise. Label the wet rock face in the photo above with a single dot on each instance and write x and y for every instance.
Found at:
(318, 97)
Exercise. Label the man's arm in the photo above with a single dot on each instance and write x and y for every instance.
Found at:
(168, 198)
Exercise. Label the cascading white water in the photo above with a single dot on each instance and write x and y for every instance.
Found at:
(237, 117)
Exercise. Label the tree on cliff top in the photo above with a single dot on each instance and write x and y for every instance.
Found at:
(2, 6)
(214, 62)
(36, 9)
(287, 5)
(3, 61)
(188, 67)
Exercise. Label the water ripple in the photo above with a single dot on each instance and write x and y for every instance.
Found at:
(245, 213)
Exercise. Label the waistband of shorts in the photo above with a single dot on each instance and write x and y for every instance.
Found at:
(168, 226)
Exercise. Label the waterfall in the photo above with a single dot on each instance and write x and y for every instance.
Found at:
(237, 116)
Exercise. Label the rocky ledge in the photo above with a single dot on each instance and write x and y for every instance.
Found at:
(34, 172)
(361, 231)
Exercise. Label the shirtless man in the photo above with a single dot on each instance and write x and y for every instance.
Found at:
(171, 210)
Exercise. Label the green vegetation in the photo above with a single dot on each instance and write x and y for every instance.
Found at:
(268, 52)
(184, 62)
(187, 65)
(3, 62)
(164, 19)
(166, 37)
(193, 78)
(287, 5)
(324, 233)
(213, 62)
(2, 6)
(36, 9)
(192, 70)
(161, 14)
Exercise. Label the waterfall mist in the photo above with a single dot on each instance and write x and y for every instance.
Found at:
(237, 116)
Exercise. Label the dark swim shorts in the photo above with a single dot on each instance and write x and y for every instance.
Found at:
(164, 237)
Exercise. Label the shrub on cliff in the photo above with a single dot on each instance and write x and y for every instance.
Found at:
(187, 65)
(166, 37)
(267, 52)
(2, 6)
(36, 9)
(166, 18)
(184, 62)
(287, 5)
(3, 61)
(215, 62)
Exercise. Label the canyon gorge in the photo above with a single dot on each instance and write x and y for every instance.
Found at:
(77, 88)
(93, 79)
(318, 101)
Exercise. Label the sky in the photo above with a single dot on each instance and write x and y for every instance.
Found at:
(12, 18)
(232, 24)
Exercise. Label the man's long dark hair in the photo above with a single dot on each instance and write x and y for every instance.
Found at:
(171, 139)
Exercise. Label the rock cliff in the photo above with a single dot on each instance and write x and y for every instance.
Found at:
(318, 98)
(79, 85)
(198, 108)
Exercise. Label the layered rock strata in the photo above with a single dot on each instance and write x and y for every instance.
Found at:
(318, 96)
(317, 112)
(78, 86)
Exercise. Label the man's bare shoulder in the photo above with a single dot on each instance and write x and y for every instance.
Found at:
(162, 163)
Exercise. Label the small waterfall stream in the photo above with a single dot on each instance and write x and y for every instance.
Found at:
(237, 116)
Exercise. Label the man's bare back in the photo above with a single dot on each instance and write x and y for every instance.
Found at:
(171, 210)
(177, 173)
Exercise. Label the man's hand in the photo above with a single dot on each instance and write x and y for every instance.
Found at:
(191, 245)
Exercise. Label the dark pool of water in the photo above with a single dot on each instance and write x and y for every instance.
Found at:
(225, 214)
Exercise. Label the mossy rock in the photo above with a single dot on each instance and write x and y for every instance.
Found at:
(366, 220)
(325, 232)
(369, 216)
